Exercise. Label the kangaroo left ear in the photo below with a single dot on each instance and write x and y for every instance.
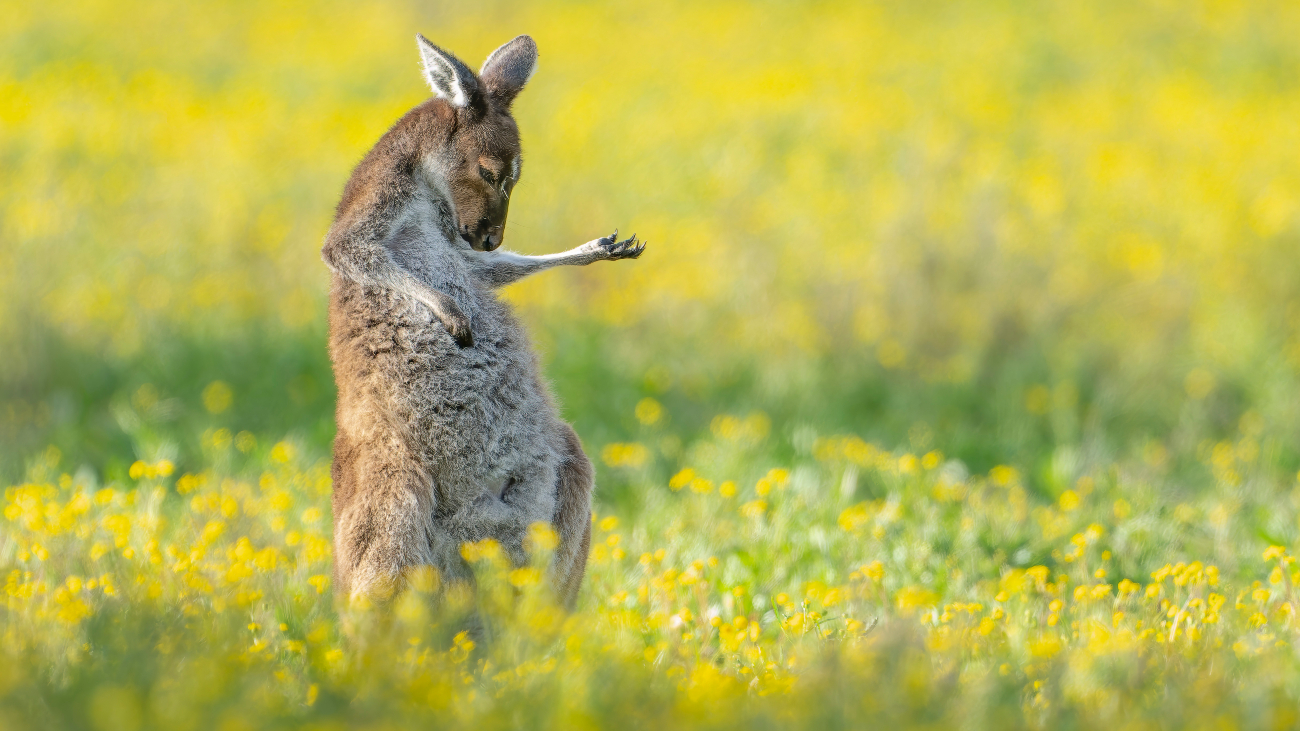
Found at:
(447, 75)
(507, 69)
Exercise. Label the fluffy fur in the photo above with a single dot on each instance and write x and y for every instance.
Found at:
(446, 431)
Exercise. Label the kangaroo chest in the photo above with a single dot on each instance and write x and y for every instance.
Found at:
(476, 409)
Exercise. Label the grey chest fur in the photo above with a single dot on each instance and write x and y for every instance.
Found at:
(478, 419)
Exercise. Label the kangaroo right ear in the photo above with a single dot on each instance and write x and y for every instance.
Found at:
(449, 78)
(508, 68)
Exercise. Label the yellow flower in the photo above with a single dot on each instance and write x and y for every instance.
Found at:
(629, 455)
(217, 397)
(911, 598)
(1045, 646)
(526, 576)
(1122, 509)
(282, 452)
(681, 479)
(1069, 500)
(541, 536)
(907, 464)
(874, 571)
(484, 550)
(245, 442)
(1002, 475)
(701, 486)
(855, 517)
(648, 411)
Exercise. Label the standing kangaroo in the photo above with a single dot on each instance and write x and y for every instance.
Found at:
(446, 431)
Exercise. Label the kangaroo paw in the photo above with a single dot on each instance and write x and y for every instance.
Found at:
(613, 249)
(458, 327)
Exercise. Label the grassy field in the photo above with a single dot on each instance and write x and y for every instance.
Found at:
(960, 386)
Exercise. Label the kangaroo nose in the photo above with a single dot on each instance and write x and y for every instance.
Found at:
(494, 237)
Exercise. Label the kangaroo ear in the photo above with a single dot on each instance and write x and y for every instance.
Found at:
(508, 68)
(447, 75)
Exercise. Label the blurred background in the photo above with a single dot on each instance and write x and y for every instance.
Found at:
(1021, 232)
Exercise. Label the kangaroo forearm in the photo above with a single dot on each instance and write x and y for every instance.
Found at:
(500, 268)
(370, 264)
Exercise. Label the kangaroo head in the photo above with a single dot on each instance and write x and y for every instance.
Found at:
(480, 160)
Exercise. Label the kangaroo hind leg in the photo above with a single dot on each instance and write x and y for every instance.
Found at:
(572, 519)
(386, 526)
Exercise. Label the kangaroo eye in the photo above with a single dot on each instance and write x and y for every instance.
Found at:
(487, 175)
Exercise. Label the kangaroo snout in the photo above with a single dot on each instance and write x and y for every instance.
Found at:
(483, 236)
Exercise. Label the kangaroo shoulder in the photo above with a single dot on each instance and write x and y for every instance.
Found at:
(388, 176)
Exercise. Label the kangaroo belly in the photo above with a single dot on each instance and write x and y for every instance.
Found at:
(479, 418)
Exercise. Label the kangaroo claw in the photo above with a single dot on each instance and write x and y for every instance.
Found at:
(629, 248)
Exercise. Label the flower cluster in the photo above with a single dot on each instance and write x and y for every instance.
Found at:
(711, 600)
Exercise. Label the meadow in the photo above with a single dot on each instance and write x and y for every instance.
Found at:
(958, 388)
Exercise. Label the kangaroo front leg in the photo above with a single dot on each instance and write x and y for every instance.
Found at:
(357, 247)
(449, 314)
(500, 268)
(610, 248)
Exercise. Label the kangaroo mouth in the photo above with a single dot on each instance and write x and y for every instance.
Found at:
(483, 240)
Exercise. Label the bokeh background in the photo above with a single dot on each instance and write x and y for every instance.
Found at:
(958, 388)
(1024, 232)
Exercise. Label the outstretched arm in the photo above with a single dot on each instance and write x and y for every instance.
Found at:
(355, 248)
(500, 268)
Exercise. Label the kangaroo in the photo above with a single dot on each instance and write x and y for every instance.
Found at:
(446, 431)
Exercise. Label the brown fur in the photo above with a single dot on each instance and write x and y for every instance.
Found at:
(446, 431)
